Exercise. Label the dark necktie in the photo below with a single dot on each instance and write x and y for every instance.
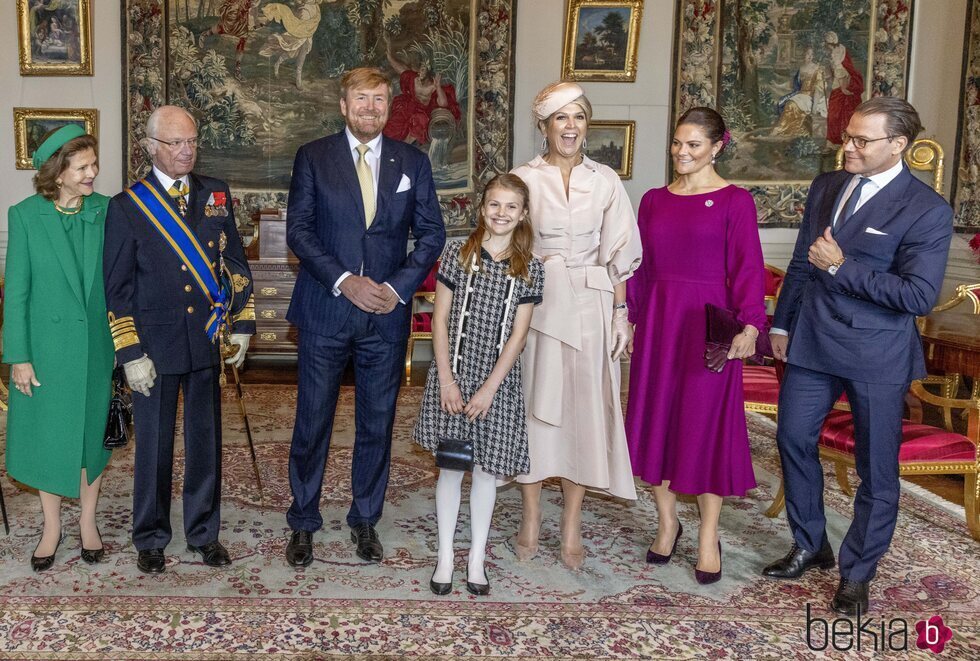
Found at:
(178, 191)
(851, 204)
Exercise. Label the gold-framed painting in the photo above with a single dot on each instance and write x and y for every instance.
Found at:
(610, 142)
(55, 38)
(601, 40)
(32, 124)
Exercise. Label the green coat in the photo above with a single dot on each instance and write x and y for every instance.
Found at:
(55, 318)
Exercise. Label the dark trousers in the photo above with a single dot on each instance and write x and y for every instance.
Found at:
(805, 399)
(377, 378)
(154, 419)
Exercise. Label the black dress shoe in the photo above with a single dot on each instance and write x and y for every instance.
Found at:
(43, 563)
(655, 558)
(213, 554)
(151, 561)
(851, 597)
(369, 546)
(94, 556)
(440, 589)
(478, 589)
(299, 550)
(709, 577)
(799, 560)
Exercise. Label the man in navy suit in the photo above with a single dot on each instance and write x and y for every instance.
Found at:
(354, 198)
(164, 239)
(870, 257)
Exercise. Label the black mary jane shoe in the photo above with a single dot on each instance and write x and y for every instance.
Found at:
(43, 563)
(478, 589)
(94, 556)
(655, 558)
(441, 589)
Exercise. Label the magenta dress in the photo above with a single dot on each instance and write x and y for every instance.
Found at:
(685, 423)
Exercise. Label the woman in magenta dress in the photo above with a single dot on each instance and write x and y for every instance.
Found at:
(685, 425)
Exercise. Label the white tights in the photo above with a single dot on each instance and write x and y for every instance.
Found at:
(483, 496)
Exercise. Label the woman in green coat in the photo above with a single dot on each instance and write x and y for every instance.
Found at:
(56, 339)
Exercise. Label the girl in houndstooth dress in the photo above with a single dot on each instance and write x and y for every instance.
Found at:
(486, 289)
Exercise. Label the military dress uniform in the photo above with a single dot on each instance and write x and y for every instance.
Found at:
(157, 307)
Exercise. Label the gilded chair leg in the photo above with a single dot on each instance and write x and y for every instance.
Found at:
(971, 496)
(408, 361)
(950, 387)
(778, 503)
(840, 470)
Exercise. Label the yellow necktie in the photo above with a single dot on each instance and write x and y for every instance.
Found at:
(178, 191)
(366, 178)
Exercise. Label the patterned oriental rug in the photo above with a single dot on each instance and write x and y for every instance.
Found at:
(617, 607)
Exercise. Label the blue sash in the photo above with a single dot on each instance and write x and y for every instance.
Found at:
(187, 248)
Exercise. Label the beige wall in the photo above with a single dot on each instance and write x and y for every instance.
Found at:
(934, 89)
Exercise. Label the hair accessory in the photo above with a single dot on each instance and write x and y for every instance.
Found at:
(55, 142)
(726, 137)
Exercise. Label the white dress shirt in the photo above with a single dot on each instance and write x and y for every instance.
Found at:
(875, 183)
(373, 158)
(167, 182)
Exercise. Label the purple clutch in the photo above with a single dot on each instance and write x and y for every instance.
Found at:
(722, 327)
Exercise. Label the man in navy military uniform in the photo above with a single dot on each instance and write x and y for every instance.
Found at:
(163, 242)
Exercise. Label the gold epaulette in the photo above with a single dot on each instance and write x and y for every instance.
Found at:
(123, 332)
(248, 312)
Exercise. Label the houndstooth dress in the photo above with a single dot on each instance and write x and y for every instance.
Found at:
(500, 440)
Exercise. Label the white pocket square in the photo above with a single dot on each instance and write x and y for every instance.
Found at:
(404, 184)
(871, 230)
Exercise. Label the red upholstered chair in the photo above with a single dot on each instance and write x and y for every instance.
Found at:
(925, 450)
(760, 382)
(422, 302)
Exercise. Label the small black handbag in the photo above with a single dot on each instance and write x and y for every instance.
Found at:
(117, 427)
(454, 454)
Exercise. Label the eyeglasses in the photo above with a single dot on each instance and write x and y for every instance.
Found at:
(859, 143)
(177, 145)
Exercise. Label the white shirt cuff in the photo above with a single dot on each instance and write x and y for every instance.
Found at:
(396, 293)
(778, 331)
(336, 285)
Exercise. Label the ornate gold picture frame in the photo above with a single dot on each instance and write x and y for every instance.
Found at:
(55, 38)
(601, 40)
(32, 124)
(610, 142)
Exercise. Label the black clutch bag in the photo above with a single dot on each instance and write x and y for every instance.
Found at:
(454, 454)
(117, 427)
(722, 328)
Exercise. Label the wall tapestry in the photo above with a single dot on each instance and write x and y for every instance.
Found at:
(786, 75)
(966, 176)
(263, 78)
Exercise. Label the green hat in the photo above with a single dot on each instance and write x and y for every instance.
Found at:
(55, 142)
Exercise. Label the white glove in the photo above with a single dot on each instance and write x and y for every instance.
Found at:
(621, 332)
(241, 339)
(140, 374)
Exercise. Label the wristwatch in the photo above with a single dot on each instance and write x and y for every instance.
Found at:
(832, 269)
(620, 306)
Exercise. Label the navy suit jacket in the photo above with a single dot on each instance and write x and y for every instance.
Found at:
(860, 324)
(325, 228)
(146, 284)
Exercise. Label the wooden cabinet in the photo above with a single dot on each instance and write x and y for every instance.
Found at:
(272, 282)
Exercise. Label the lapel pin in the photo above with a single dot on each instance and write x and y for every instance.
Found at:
(709, 203)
